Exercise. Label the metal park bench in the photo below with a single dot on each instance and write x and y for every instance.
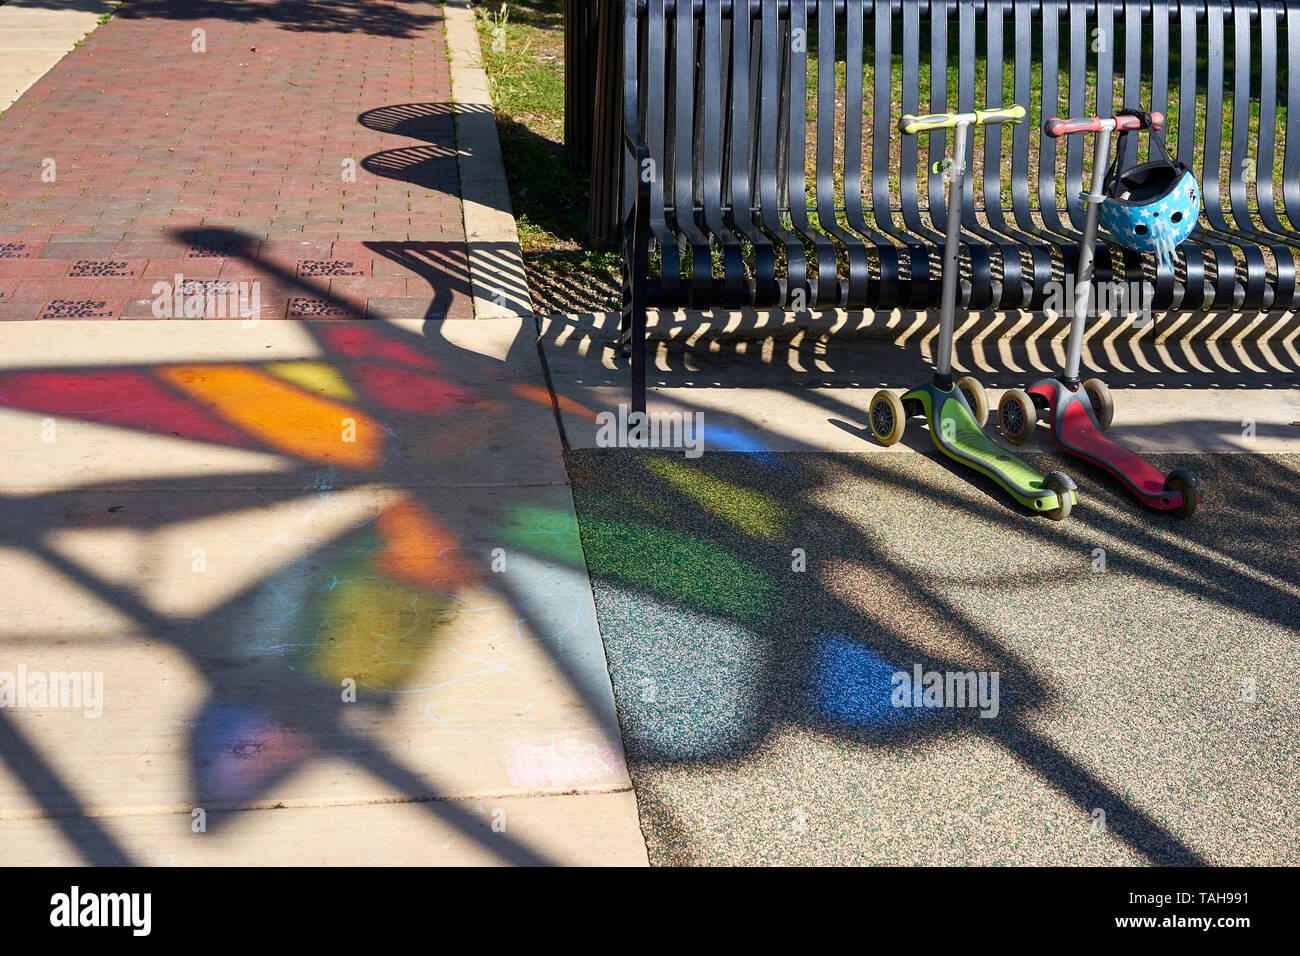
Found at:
(764, 168)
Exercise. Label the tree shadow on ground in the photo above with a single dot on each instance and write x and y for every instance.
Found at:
(390, 18)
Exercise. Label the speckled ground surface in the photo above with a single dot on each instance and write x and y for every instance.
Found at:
(1147, 703)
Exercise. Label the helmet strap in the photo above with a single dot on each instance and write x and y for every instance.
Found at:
(1157, 140)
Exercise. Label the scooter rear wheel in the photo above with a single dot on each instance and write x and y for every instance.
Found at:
(1191, 495)
(1099, 395)
(975, 398)
(1017, 416)
(886, 417)
(1062, 486)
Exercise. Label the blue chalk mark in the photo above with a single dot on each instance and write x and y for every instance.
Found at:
(726, 438)
(851, 685)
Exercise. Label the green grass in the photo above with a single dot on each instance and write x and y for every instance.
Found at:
(1037, 114)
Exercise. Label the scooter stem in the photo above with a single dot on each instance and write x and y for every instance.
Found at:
(1084, 274)
(948, 298)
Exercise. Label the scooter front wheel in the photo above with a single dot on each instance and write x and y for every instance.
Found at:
(1099, 394)
(886, 417)
(1017, 416)
(975, 398)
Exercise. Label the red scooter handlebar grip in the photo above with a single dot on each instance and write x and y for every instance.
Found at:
(1132, 122)
(1063, 127)
(1092, 124)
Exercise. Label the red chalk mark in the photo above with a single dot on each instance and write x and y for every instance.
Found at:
(116, 398)
(404, 390)
(359, 342)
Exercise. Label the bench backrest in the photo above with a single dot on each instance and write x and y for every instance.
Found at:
(799, 99)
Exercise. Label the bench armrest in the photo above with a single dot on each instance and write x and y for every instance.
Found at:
(634, 143)
(637, 219)
(641, 156)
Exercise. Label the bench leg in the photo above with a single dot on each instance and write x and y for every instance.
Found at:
(639, 273)
(640, 270)
(638, 350)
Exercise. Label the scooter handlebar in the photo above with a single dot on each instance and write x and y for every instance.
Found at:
(1093, 124)
(919, 124)
(1006, 114)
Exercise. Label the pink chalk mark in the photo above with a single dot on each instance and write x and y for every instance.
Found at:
(574, 758)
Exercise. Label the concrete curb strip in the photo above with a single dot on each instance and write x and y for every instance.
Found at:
(496, 266)
(34, 37)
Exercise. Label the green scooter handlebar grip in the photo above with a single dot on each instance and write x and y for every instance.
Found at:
(919, 124)
(1006, 114)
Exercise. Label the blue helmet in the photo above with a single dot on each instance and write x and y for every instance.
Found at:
(1153, 206)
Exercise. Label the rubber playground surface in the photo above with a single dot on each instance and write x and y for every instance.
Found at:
(755, 699)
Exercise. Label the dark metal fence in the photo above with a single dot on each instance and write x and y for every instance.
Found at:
(580, 49)
(593, 109)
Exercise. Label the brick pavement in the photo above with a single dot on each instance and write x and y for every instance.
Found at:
(307, 148)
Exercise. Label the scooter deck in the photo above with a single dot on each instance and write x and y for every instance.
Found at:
(1075, 429)
(954, 432)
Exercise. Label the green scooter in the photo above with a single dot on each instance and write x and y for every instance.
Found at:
(956, 412)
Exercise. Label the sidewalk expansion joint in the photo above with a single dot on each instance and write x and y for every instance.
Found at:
(301, 804)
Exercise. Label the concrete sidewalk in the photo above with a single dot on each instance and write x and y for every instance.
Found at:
(811, 392)
(303, 568)
(238, 530)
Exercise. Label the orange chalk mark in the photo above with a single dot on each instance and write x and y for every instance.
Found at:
(538, 394)
(282, 416)
(419, 551)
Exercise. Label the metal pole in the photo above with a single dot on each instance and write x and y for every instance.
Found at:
(1084, 274)
(951, 246)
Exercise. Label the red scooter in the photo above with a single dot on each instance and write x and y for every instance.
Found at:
(1080, 412)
